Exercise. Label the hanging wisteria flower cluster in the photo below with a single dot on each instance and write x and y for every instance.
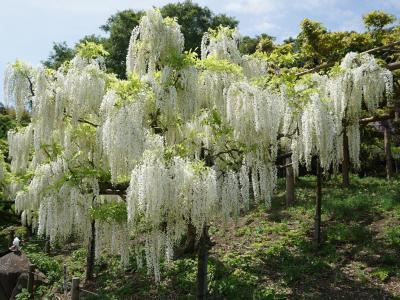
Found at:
(167, 197)
(17, 86)
(20, 143)
(333, 108)
(152, 43)
(222, 43)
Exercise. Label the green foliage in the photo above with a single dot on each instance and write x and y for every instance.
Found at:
(317, 45)
(132, 90)
(392, 235)
(7, 122)
(91, 50)
(110, 212)
(76, 263)
(127, 90)
(298, 89)
(270, 254)
(248, 45)
(382, 274)
(195, 20)
(46, 264)
(82, 130)
(59, 55)
(78, 174)
(265, 43)
(221, 31)
(377, 20)
(344, 233)
(212, 63)
(283, 56)
(119, 28)
(180, 61)
(23, 295)
(22, 67)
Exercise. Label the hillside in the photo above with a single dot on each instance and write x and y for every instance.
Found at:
(269, 254)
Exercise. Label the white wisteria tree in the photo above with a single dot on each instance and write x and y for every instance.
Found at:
(129, 166)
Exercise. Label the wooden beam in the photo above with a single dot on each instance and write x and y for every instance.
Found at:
(368, 120)
(107, 188)
(393, 66)
(384, 47)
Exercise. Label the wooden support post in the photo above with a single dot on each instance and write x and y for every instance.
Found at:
(31, 278)
(65, 284)
(318, 198)
(75, 289)
(202, 259)
(388, 151)
(290, 194)
(11, 237)
(346, 161)
(47, 246)
(91, 252)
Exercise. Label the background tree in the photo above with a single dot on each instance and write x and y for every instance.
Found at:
(377, 20)
(119, 28)
(263, 43)
(195, 21)
(61, 53)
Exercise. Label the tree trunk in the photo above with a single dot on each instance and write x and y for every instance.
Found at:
(202, 259)
(91, 252)
(290, 194)
(47, 246)
(188, 246)
(318, 198)
(346, 161)
(388, 150)
(11, 236)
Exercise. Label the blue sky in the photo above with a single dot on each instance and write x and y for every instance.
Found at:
(29, 27)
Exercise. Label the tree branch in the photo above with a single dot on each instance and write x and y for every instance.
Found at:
(80, 120)
(391, 66)
(87, 122)
(30, 85)
(285, 155)
(107, 188)
(285, 166)
(368, 120)
(228, 151)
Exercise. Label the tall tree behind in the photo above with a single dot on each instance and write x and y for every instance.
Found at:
(263, 42)
(195, 20)
(119, 27)
(61, 53)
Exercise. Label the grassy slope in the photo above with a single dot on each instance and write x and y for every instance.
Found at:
(270, 254)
